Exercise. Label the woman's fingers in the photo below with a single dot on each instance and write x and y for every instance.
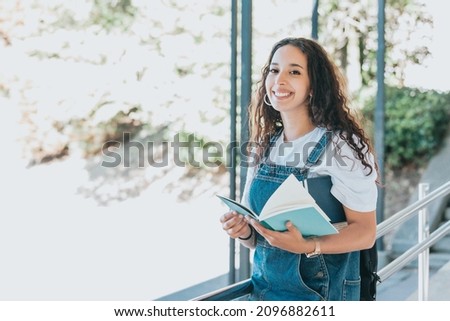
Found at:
(234, 224)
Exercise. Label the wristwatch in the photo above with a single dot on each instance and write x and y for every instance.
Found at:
(316, 251)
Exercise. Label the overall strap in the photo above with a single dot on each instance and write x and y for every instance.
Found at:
(272, 141)
(317, 152)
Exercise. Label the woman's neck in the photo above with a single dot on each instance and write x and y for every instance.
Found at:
(296, 128)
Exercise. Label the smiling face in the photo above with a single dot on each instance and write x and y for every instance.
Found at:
(287, 83)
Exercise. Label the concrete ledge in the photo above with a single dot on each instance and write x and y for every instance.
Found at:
(406, 235)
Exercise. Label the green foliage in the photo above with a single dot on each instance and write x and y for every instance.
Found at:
(197, 151)
(92, 137)
(416, 122)
(113, 14)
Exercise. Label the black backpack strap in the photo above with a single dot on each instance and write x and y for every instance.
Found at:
(368, 267)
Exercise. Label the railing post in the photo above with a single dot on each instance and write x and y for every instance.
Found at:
(246, 93)
(424, 257)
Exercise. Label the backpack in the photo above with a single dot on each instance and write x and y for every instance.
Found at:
(368, 265)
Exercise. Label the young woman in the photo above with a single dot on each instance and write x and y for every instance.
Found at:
(300, 98)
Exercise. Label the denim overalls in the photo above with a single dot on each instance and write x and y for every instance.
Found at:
(284, 276)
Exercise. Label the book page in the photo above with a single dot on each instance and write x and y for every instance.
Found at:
(291, 193)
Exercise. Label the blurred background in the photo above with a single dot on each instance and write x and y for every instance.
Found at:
(78, 77)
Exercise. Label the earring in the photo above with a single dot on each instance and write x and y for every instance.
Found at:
(310, 99)
(267, 103)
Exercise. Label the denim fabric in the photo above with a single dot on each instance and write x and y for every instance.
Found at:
(279, 275)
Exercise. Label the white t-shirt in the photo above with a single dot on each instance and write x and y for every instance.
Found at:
(353, 186)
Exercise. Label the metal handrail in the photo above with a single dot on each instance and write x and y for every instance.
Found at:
(244, 287)
(228, 293)
(412, 252)
(409, 211)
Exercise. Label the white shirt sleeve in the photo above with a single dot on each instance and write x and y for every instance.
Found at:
(353, 184)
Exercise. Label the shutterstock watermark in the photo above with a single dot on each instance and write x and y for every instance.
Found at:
(192, 151)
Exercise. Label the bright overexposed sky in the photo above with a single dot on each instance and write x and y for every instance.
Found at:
(433, 73)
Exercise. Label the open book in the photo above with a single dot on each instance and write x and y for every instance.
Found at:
(290, 202)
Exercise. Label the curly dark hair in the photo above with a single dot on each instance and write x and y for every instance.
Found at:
(329, 107)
